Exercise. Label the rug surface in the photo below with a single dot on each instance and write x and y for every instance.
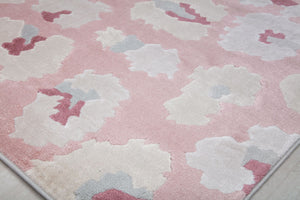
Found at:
(141, 99)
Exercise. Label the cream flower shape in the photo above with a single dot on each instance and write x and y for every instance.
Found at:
(110, 37)
(43, 57)
(70, 13)
(290, 88)
(154, 60)
(12, 1)
(71, 109)
(260, 34)
(224, 160)
(185, 19)
(144, 163)
(256, 3)
(208, 89)
(291, 11)
(150, 58)
(262, 3)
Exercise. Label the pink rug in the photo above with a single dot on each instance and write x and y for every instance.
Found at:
(137, 99)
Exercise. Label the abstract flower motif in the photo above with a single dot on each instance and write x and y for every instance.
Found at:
(154, 60)
(48, 16)
(135, 168)
(119, 182)
(23, 50)
(262, 3)
(71, 109)
(284, 2)
(74, 98)
(185, 19)
(269, 33)
(259, 170)
(260, 34)
(129, 43)
(257, 3)
(265, 156)
(110, 37)
(222, 158)
(114, 194)
(12, 1)
(18, 44)
(291, 11)
(150, 58)
(279, 143)
(68, 13)
(187, 10)
(29, 32)
(209, 88)
(290, 88)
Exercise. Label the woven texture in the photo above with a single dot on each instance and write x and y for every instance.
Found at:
(137, 99)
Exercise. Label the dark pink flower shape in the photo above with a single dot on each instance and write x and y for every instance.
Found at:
(18, 44)
(269, 33)
(114, 194)
(284, 2)
(259, 170)
(64, 111)
(49, 16)
(198, 18)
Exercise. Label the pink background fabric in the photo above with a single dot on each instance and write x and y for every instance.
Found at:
(143, 115)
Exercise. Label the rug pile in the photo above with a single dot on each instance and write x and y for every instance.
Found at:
(141, 99)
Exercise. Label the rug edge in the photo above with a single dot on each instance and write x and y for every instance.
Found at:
(278, 164)
(16, 170)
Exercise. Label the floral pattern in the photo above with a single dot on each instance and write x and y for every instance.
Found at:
(186, 19)
(71, 109)
(104, 158)
(265, 35)
(150, 58)
(30, 59)
(149, 99)
(223, 162)
(290, 88)
(68, 14)
(208, 89)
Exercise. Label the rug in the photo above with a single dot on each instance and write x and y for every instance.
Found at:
(141, 99)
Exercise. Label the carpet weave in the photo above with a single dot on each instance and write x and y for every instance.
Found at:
(141, 99)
